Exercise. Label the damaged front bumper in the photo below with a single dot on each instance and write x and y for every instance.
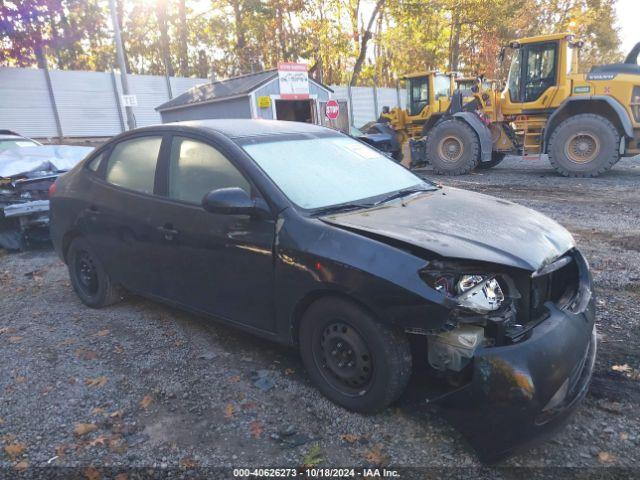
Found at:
(520, 392)
(24, 210)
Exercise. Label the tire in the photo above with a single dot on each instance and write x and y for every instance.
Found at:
(453, 148)
(584, 145)
(88, 277)
(376, 360)
(496, 158)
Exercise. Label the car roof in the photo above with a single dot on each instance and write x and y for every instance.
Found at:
(12, 137)
(235, 128)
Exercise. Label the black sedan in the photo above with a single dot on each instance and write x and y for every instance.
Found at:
(308, 237)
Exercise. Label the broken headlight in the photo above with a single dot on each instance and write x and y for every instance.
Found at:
(480, 293)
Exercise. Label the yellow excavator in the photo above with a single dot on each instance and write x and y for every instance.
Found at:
(584, 123)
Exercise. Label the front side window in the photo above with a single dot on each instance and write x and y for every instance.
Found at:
(419, 94)
(132, 163)
(196, 168)
(513, 82)
(442, 86)
(541, 70)
(319, 172)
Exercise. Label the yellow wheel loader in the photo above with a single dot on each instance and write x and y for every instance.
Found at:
(584, 123)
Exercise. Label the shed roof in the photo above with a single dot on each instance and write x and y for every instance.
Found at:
(221, 89)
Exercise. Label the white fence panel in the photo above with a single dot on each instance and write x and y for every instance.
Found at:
(387, 97)
(150, 91)
(363, 107)
(24, 103)
(86, 103)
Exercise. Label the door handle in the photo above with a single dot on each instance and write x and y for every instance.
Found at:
(168, 232)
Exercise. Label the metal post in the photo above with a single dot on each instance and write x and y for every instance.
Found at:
(398, 94)
(375, 97)
(118, 103)
(131, 121)
(52, 98)
(350, 105)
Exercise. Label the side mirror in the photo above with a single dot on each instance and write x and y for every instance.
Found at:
(230, 201)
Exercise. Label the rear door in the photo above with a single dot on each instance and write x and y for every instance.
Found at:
(121, 218)
(218, 264)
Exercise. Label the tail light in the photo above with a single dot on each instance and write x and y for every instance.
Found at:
(52, 189)
(635, 103)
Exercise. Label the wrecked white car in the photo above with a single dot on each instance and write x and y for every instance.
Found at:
(27, 170)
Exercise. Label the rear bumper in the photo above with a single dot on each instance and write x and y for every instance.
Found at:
(521, 392)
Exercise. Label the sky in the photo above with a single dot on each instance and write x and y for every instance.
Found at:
(628, 12)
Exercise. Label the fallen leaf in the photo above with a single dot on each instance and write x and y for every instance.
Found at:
(117, 444)
(118, 349)
(248, 405)
(228, 411)
(15, 450)
(96, 382)
(376, 456)
(23, 465)
(235, 379)
(45, 391)
(606, 457)
(97, 411)
(313, 456)
(121, 476)
(350, 438)
(21, 379)
(101, 333)
(255, 428)
(101, 440)
(66, 342)
(116, 414)
(179, 343)
(146, 401)
(7, 330)
(84, 428)
(1, 420)
(15, 338)
(188, 463)
(616, 368)
(61, 450)
(289, 371)
(85, 354)
(92, 474)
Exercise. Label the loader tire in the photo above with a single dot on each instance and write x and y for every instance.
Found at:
(496, 158)
(584, 145)
(453, 148)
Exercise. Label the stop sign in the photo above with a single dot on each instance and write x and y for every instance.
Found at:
(332, 110)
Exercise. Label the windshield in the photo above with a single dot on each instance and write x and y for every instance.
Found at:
(318, 172)
(6, 144)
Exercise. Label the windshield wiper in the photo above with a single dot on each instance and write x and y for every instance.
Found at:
(342, 208)
(403, 193)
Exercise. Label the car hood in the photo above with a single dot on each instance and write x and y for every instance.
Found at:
(462, 224)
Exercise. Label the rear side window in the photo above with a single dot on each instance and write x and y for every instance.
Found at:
(196, 168)
(132, 163)
(94, 163)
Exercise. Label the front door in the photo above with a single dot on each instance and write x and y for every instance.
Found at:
(218, 264)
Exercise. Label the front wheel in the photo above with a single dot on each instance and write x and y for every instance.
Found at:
(452, 148)
(584, 145)
(352, 359)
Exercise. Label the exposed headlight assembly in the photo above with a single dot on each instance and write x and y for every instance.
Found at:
(480, 293)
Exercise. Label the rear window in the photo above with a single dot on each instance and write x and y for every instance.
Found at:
(132, 163)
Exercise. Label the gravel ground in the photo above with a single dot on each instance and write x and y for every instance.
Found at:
(140, 384)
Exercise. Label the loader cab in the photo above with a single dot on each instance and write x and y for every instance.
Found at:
(428, 93)
(538, 73)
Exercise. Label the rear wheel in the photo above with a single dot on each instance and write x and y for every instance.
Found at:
(352, 359)
(453, 148)
(496, 158)
(88, 278)
(584, 145)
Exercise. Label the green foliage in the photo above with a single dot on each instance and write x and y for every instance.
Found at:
(230, 37)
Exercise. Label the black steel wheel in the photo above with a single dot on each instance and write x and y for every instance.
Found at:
(353, 359)
(344, 358)
(88, 278)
